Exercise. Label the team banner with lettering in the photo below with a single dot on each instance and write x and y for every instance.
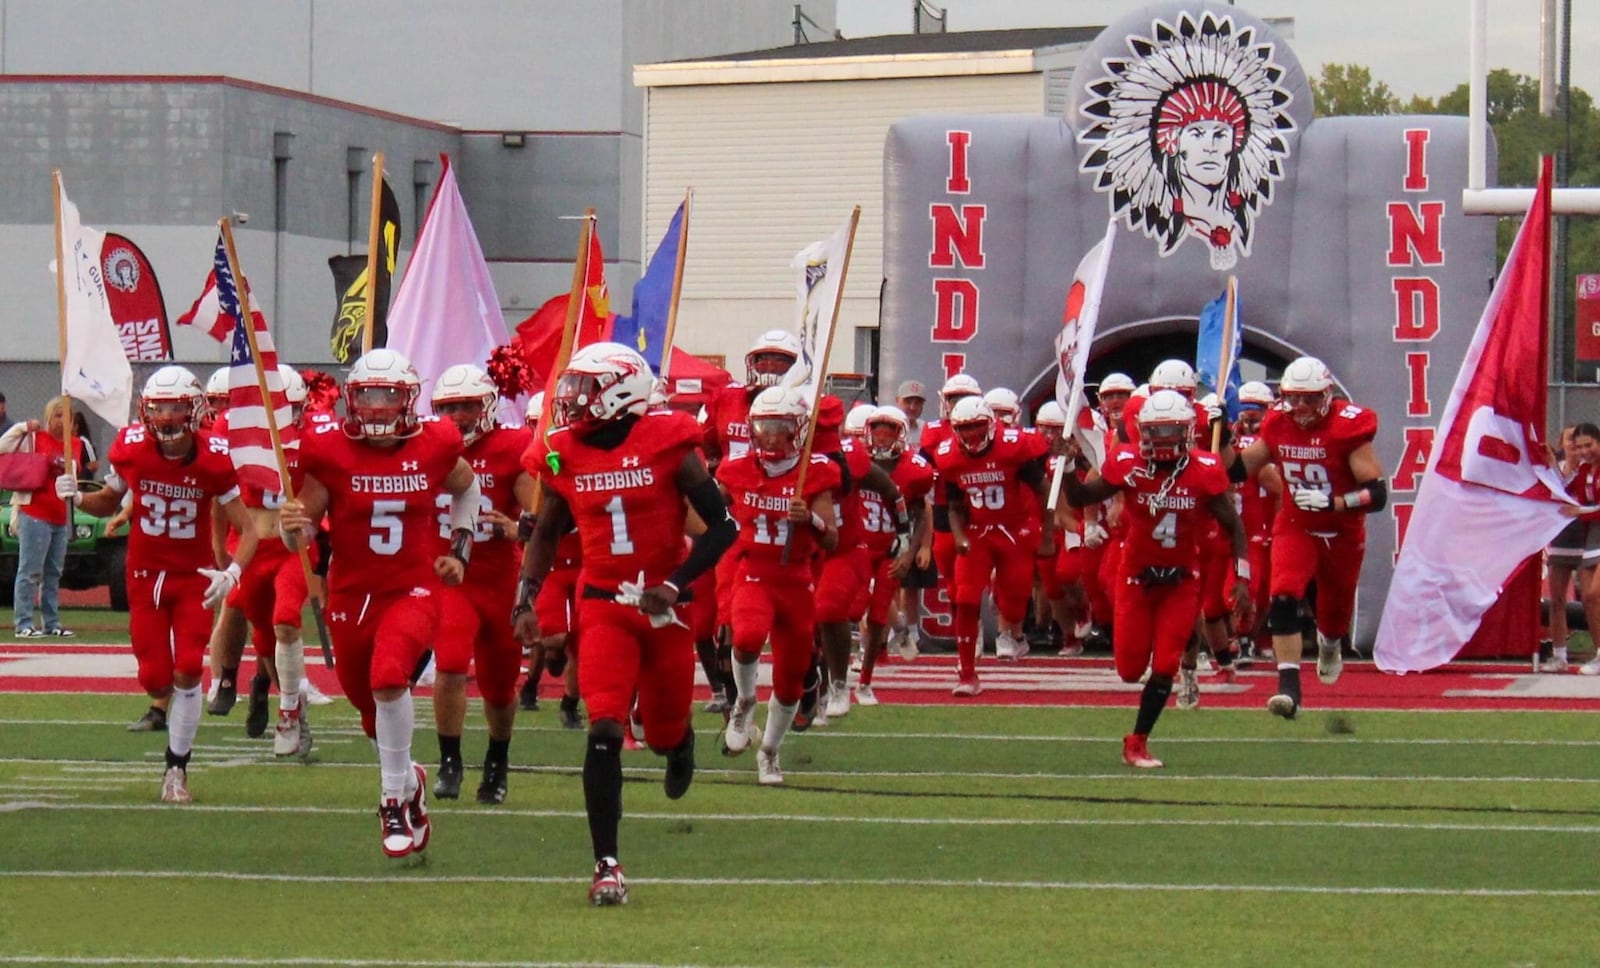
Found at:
(1488, 500)
(135, 298)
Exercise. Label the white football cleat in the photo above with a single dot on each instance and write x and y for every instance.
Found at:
(292, 737)
(967, 687)
(1188, 688)
(175, 786)
(838, 700)
(1590, 668)
(768, 772)
(864, 696)
(741, 731)
(1330, 661)
(311, 695)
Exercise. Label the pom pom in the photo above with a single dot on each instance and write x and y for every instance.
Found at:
(322, 391)
(510, 374)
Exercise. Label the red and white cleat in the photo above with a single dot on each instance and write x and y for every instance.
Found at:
(1136, 752)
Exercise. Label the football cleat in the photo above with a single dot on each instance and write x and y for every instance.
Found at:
(838, 700)
(1136, 752)
(417, 811)
(570, 717)
(864, 696)
(1590, 668)
(311, 695)
(610, 888)
(1555, 665)
(1283, 705)
(1188, 688)
(223, 699)
(255, 721)
(1008, 646)
(1329, 660)
(395, 819)
(528, 698)
(175, 785)
(449, 785)
(292, 737)
(741, 731)
(492, 789)
(967, 687)
(680, 768)
(153, 721)
(718, 703)
(768, 771)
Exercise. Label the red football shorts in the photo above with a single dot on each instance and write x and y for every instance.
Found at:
(1153, 627)
(379, 641)
(622, 654)
(1335, 563)
(168, 626)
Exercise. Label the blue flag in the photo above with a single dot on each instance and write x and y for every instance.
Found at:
(1209, 355)
(646, 329)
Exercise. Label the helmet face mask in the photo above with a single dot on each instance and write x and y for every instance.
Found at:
(1307, 409)
(779, 417)
(972, 422)
(466, 397)
(886, 435)
(1166, 427)
(602, 383)
(1249, 421)
(172, 405)
(1307, 390)
(380, 397)
(771, 358)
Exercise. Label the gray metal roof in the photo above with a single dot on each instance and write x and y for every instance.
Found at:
(885, 45)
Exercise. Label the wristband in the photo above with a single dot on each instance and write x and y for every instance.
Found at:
(1241, 569)
(461, 546)
(902, 517)
(1358, 498)
(527, 591)
(817, 522)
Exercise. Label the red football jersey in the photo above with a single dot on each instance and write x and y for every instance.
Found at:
(727, 425)
(760, 504)
(381, 504)
(994, 495)
(1256, 505)
(171, 526)
(914, 477)
(849, 508)
(496, 458)
(1318, 458)
(630, 516)
(1165, 518)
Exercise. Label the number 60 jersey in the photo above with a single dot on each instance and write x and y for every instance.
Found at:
(171, 528)
(382, 520)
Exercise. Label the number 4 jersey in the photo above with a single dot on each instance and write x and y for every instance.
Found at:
(1319, 458)
(383, 521)
(171, 527)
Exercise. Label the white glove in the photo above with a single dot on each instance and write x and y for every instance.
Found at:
(1213, 407)
(222, 582)
(1094, 535)
(1311, 499)
(630, 592)
(67, 488)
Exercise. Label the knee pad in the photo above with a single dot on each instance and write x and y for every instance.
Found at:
(1283, 615)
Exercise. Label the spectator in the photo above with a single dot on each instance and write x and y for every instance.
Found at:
(5, 421)
(910, 398)
(42, 525)
(89, 466)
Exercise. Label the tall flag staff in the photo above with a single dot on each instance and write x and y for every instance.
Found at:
(677, 281)
(1078, 320)
(369, 321)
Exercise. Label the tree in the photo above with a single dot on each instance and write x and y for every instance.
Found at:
(1346, 89)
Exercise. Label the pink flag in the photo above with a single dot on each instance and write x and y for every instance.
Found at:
(207, 311)
(1488, 499)
(249, 441)
(446, 311)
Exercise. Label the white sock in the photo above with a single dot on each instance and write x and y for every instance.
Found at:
(183, 720)
(1561, 652)
(745, 676)
(396, 722)
(291, 670)
(779, 717)
(1288, 665)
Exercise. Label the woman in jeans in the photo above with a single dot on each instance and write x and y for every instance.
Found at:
(42, 523)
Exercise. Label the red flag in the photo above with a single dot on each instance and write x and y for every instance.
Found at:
(540, 333)
(1488, 500)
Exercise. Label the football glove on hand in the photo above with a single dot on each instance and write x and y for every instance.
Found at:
(221, 583)
(1310, 499)
(67, 489)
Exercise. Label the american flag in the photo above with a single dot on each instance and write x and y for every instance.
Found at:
(208, 311)
(248, 438)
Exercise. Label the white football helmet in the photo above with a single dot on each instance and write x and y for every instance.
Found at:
(855, 422)
(1006, 405)
(602, 382)
(173, 404)
(535, 409)
(294, 385)
(888, 432)
(1112, 395)
(1050, 415)
(1166, 426)
(658, 395)
(217, 390)
(466, 396)
(959, 386)
(972, 421)
(1173, 375)
(1307, 388)
(779, 417)
(771, 357)
(1254, 393)
(380, 397)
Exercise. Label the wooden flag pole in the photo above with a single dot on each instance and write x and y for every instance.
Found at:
(822, 363)
(569, 333)
(677, 285)
(373, 230)
(247, 320)
(67, 435)
(1225, 359)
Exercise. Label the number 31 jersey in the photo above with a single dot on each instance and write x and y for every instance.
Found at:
(629, 511)
(171, 527)
(382, 519)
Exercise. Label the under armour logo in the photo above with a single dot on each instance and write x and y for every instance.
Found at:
(191, 482)
(630, 462)
(479, 464)
(141, 573)
(339, 617)
(408, 465)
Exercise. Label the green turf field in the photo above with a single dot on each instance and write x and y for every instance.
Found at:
(906, 836)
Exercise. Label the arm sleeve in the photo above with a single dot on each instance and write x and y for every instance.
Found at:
(707, 547)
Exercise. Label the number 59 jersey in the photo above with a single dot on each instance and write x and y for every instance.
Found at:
(1319, 458)
(171, 526)
(382, 519)
(625, 501)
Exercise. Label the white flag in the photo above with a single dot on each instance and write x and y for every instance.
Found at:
(446, 311)
(94, 370)
(819, 283)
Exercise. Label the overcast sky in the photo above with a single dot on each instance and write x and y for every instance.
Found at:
(1415, 46)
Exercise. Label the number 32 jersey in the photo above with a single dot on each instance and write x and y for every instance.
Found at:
(383, 523)
(627, 506)
(171, 527)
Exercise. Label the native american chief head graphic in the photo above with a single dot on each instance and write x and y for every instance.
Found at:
(1187, 132)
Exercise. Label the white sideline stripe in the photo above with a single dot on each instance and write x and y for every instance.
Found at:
(919, 882)
(165, 959)
(829, 819)
(216, 759)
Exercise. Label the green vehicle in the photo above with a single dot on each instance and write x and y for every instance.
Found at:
(92, 558)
